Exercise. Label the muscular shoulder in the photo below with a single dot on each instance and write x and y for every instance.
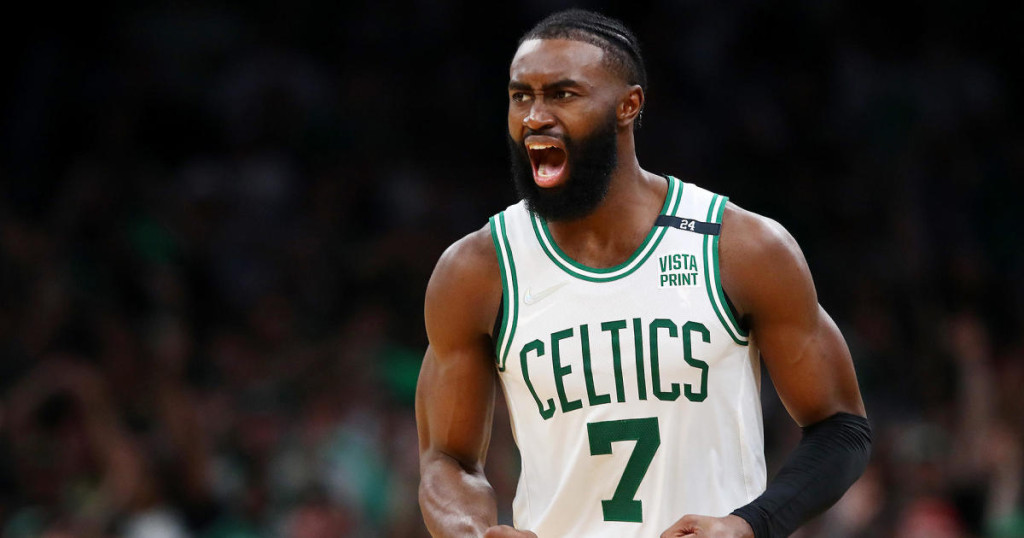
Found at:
(761, 263)
(464, 291)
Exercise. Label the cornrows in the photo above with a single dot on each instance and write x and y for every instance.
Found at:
(622, 49)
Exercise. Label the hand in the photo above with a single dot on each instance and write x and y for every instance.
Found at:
(504, 531)
(710, 527)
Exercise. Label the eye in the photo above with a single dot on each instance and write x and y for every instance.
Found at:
(519, 97)
(563, 94)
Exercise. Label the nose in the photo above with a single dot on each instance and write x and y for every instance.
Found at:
(539, 117)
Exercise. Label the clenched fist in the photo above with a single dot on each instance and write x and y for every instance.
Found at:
(504, 531)
(692, 526)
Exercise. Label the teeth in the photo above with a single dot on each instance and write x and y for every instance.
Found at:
(540, 146)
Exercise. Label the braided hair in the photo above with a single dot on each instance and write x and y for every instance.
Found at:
(621, 48)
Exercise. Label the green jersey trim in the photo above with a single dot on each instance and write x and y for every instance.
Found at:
(509, 289)
(712, 277)
(642, 253)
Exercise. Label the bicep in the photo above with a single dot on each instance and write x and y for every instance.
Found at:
(455, 406)
(803, 349)
(810, 365)
(456, 389)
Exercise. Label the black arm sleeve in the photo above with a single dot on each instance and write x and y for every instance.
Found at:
(830, 457)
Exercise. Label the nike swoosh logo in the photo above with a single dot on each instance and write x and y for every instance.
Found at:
(534, 298)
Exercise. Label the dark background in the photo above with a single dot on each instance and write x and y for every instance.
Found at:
(218, 219)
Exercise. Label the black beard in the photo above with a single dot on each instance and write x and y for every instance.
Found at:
(591, 161)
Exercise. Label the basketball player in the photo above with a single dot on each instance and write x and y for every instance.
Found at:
(624, 313)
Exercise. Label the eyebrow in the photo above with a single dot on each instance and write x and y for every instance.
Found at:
(564, 83)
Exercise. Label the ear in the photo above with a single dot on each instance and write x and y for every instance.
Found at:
(630, 106)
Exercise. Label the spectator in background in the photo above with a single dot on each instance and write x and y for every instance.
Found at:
(252, 187)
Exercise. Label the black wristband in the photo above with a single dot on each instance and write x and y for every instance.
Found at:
(831, 455)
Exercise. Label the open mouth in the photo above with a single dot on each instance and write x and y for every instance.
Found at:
(549, 160)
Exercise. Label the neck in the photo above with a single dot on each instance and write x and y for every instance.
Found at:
(615, 229)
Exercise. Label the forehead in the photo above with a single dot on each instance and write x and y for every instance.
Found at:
(558, 59)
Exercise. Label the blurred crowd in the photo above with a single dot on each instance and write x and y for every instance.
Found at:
(217, 222)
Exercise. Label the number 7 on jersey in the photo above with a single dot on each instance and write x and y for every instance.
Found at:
(622, 506)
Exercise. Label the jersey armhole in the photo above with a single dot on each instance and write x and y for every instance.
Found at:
(734, 311)
(505, 323)
(723, 307)
(498, 318)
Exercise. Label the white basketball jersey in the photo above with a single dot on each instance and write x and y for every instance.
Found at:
(633, 393)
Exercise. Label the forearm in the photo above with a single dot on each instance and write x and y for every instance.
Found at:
(830, 457)
(455, 501)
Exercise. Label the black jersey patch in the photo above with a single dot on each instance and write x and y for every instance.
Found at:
(690, 225)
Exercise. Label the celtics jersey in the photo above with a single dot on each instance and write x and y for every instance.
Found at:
(633, 392)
